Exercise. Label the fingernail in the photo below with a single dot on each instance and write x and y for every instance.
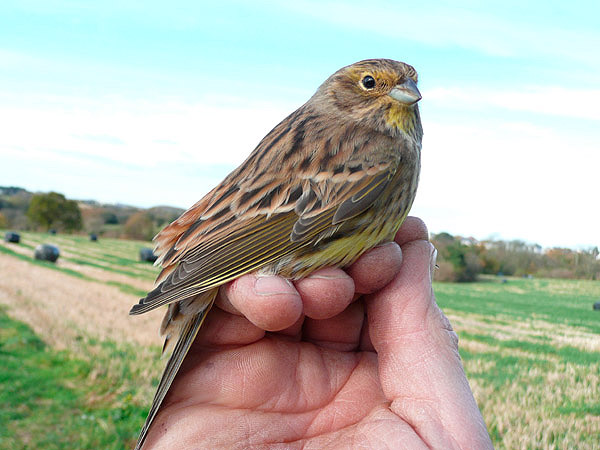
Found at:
(387, 244)
(328, 274)
(432, 261)
(271, 285)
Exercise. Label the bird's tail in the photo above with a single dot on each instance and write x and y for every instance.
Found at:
(186, 337)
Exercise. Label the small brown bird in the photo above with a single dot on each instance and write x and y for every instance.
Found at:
(332, 180)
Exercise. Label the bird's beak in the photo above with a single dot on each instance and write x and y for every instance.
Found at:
(406, 92)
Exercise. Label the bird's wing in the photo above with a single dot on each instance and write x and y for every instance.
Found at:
(238, 244)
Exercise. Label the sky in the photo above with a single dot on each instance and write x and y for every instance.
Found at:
(154, 103)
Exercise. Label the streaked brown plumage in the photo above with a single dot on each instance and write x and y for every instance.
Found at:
(335, 178)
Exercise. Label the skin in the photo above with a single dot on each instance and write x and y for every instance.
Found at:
(361, 358)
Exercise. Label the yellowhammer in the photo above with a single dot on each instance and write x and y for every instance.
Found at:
(332, 180)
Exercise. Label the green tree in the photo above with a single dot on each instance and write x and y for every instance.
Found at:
(70, 219)
(459, 259)
(53, 210)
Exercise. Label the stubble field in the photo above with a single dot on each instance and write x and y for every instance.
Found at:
(76, 372)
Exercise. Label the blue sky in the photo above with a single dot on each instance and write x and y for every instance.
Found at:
(146, 104)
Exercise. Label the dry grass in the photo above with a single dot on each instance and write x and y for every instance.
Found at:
(525, 411)
(60, 308)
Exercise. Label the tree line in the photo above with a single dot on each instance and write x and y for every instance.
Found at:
(459, 259)
(464, 259)
(24, 210)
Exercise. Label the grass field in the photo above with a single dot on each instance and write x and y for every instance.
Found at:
(75, 375)
(532, 354)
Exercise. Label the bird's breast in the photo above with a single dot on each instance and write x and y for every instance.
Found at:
(346, 242)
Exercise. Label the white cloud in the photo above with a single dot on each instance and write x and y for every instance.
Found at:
(546, 100)
(514, 179)
(141, 134)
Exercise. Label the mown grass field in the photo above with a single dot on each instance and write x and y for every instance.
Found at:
(531, 350)
(532, 355)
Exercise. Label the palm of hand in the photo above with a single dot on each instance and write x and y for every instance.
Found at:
(349, 380)
(278, 391)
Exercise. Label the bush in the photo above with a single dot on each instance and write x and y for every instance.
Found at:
(458, 259)
(444, 272)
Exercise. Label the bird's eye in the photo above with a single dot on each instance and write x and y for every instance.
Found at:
(368, 82)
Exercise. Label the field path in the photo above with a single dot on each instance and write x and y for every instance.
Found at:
(61, 308)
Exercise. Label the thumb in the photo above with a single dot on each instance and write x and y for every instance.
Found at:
(419, 366)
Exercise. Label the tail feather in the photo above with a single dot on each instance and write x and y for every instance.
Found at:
(186, 338)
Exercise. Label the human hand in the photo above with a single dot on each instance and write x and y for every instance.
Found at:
(302, 365)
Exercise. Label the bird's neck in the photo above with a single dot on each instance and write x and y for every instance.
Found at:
(404, 119)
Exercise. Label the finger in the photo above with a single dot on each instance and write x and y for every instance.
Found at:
(419, 366)
(221, 328)
(341, 332)
(413, 229)
(400, 309)
(376, 268)
(292, 333)
(223, 302)
(325, 293)
(269, 302)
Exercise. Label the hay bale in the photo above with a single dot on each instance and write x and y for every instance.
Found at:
(93, 237)
(11, 236)
(46, 252)
(597, 306)
(147, 255)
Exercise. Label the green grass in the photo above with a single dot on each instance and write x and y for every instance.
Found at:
(52, 400)
(531, 350)
(554, 301)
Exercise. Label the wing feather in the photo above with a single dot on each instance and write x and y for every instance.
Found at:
(365, 196)
(260, 241)
(228, 260)
(187, 335)
(254, 218)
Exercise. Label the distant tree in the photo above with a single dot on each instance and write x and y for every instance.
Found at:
(139, 226)
(53, 210)
(70, 219)
(110, 218)
(14, 203)
(459, 258)
(443, 239)
(163, 215)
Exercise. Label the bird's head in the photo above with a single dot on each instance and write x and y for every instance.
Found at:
(381, 93)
